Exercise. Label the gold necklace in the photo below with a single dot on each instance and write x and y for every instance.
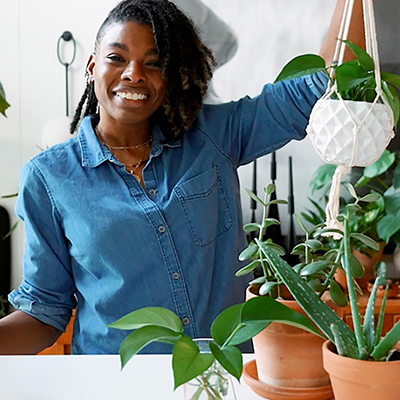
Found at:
(130, 168)
(137, 146)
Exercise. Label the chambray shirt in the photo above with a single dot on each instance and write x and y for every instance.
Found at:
(98, 241)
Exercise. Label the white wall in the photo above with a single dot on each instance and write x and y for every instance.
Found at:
(270, 33)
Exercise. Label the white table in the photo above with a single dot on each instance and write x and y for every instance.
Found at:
(145, 377)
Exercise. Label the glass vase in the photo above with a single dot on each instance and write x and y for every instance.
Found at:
(213, 384)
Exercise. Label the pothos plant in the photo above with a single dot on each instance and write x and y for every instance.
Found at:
(379, 219)
(365, 341)
(355, 79)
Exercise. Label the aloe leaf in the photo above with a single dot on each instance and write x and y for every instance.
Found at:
(369, 323)
(141, 337)
(259, 309)
(387, 343)
(157, 316)
(300, 66)
(339, 344)
(314, 307)
(188, 362)
(381, 317)
(230, 357)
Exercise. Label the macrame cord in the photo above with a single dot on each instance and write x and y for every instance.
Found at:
(343, 168)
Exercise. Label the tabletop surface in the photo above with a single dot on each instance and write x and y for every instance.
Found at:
(95, 378)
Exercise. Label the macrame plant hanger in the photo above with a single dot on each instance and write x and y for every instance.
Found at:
(350, 133)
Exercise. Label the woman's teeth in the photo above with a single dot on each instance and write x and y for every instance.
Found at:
(132, 96)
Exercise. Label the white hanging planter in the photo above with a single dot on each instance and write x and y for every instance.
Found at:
(352, 133)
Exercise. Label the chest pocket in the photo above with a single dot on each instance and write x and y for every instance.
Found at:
(205, 206)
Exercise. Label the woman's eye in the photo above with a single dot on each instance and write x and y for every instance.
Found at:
(156, 64)
(114, 57)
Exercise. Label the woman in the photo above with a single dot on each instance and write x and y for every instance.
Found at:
(142, 208)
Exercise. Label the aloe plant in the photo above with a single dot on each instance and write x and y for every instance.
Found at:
(365, 341)
(355, 79)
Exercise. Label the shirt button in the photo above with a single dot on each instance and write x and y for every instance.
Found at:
(186, 321)
(175, 275)
(161, 229)
(152, 192)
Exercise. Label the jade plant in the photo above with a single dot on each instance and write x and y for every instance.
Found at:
(355, 79)
(317, 265)
(364, 342)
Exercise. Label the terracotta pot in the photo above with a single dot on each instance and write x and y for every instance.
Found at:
(357, 379)
(289, 357)
(368, 263)
(393, 288)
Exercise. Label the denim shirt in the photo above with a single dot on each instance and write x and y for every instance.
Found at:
(98, 241)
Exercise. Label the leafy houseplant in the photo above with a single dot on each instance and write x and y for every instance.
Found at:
(364, 343)
(3, 103)
(235, 325)
(355, 79)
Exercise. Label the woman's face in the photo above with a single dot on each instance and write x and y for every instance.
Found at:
(127, 75)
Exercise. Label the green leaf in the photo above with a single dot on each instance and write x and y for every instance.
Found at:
(337, 295)
(270, 221)
(255, 197)
(276, 248)
(392, 97)
(351, 190)
(393, 79)
(387, 227)
(357, 269)
(349, 75)
(248, 268)
(363, 58)
(140, 338)
(188, 362)
(396, 177)
(322, 177)
(366, 240)
(230, 357)
(314, 244)
(371, 197)
(267, 287)
(252, 227)
(301, 66)
(258, 281)
(387, 343)
(3, 103)
(315, 267)
(248, 252)
(228, 327)
(316, 285)
(270, 188)
(381, 165)
(267, 309)
(158, 316)
(278, 201)
(315, 308)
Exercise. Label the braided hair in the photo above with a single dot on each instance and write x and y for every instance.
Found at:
(185, 62)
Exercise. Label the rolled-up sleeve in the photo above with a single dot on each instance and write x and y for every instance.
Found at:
(47, 291)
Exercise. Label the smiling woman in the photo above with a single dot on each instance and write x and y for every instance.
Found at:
(142, 208)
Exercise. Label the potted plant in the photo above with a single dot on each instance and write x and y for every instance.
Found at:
(377, 219)
(362, 355)
(235, 325)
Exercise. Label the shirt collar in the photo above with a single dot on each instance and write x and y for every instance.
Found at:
(94, 153)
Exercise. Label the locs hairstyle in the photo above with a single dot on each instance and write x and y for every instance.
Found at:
(185, 60)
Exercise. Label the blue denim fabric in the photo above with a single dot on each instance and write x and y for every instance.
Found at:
(96, 240)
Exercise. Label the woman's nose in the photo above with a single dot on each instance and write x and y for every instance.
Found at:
(133, 73)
